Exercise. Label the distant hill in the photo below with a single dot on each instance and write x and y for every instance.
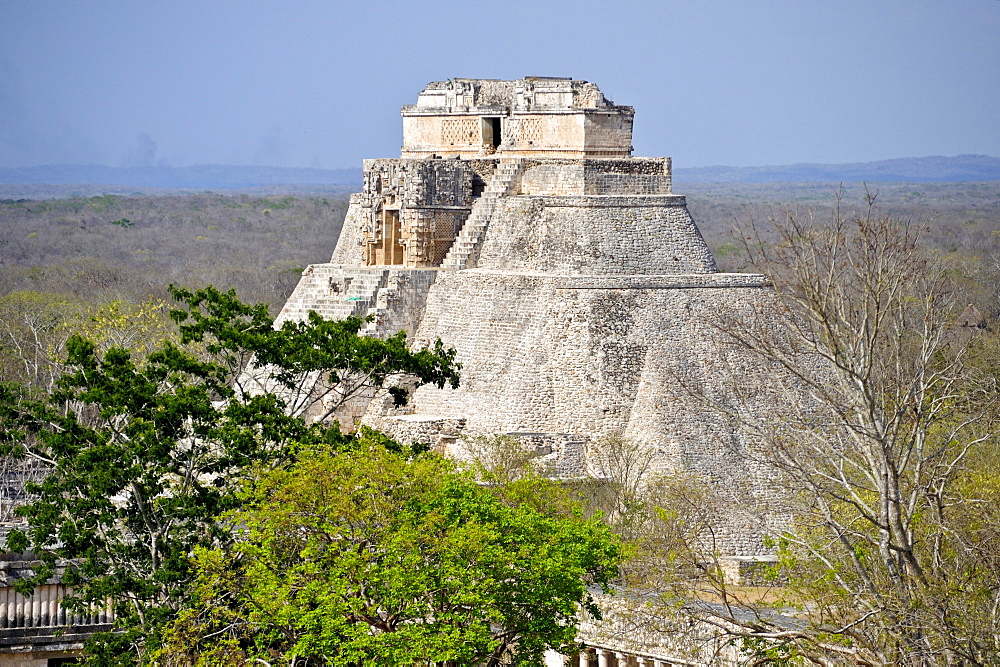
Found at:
(906, 170)
(202, 177)
(227, 177)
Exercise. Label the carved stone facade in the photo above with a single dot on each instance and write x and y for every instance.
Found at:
(414, 209)
(531, 117)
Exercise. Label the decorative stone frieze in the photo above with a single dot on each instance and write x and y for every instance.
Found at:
(535, 116)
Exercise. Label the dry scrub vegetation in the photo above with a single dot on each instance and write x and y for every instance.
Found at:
(958, 220)
(110, 247)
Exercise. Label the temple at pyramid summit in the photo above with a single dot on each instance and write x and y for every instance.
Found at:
(518, 227)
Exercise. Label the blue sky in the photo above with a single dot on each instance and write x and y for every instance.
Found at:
(319, 83)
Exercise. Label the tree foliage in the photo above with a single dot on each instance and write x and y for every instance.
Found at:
(370, 556)
(142, 455)
(35, 327)
(314, 365)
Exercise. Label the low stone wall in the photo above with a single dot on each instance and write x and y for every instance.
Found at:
(38, 628)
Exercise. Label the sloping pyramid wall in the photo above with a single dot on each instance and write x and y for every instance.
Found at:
(586, 315)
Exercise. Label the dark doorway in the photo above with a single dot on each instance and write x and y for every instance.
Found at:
(491, 132)
(478, 186)
(495, 123)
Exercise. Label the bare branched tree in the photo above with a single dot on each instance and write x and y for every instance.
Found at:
(622, 467)
(500, 457)
(885, 439)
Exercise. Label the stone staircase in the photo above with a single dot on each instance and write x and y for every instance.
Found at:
(355, 294)
(361, 294)
(464, 250)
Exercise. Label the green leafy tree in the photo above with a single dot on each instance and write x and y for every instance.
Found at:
(371, 556)
(314, 365)
(143, 455)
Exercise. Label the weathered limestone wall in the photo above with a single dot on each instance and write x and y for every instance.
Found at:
(349, 250)
(534, 116)
(595, 356)
(575, 133)
(607, 134)
(454, 135)
(410, 211)
(395, 297)
(569, 133)
(635, 176)
(595, 235)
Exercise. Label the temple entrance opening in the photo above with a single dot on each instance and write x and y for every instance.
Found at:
(491, 134)
(391, 233)
(388, 250)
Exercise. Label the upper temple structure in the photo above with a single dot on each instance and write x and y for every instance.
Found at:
(574, 284)
(470, 144)
(532, 117)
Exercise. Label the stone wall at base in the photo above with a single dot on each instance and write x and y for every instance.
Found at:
(542, 357)
(35, 658)
(646, 627)
(38, 628)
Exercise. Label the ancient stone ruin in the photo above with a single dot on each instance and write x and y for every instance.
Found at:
(577, 289)
(582, 300)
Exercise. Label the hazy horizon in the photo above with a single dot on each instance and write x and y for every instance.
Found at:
(358, 167)
(315, 84)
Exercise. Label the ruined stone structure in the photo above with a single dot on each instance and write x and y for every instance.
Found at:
(573, 282)
(36, 631)
(532, 117)
(582, 300)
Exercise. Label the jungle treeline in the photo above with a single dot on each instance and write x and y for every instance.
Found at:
(114, 247)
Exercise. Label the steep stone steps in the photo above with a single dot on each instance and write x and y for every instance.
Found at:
(363, 290)
(462, 253)
(335, 293)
